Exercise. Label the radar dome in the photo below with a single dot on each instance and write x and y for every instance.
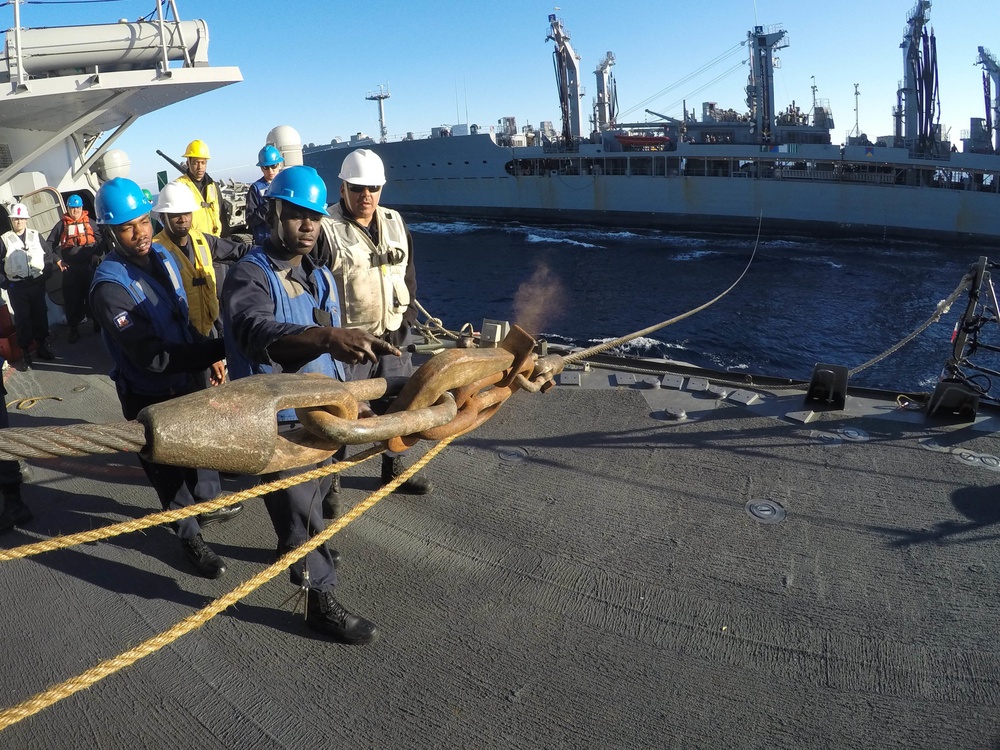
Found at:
(114, 163)
(289, 143)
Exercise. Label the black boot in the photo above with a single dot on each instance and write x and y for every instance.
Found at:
(392, 467)
(331, 503)
(26, 361)
(43, 351)
(74, 335)
(6, 519)
(329, 617)
(14, 508)
(221, 515)
(206, 562)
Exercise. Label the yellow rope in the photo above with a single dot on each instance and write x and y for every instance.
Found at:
(109, 666)
(27, 403)
(169, 516)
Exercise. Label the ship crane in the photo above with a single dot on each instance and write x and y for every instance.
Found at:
(567, 68)
(917, 101)
(760, 88)
(606, 104)
(991, 74)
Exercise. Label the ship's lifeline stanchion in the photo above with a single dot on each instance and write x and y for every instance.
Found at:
(109, 667)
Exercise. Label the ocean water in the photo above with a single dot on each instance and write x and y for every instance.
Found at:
(801, 301)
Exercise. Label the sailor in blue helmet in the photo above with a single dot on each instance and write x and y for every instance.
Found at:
(281, 314)
(270, 162)
(138, 298)
(79, 244)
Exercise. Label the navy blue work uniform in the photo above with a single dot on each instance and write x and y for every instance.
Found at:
(157, 354)
(265, 299)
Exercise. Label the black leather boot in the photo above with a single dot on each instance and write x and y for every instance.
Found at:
(329, 617)
(331, 503)
(205, 561)
(392, 467)
(221, 515)
(14, 508)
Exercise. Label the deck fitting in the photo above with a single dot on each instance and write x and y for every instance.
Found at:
(765, 511)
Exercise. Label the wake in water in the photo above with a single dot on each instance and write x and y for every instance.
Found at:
(801, 303)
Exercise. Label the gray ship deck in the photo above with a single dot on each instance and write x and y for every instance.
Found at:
(584, 575)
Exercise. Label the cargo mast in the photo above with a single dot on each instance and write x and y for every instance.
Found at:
(567, 68)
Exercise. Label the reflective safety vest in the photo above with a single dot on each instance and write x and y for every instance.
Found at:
(292, 304)
(165, 308)
(25, 257)
(198, 279)
(76, 233)
(371, 280)
(208, 218)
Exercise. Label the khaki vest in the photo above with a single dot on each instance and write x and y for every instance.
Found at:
(25, 260)
(198, 279)
(371, 280)
(208, 218)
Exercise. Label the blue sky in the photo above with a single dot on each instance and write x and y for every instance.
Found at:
(309, 64)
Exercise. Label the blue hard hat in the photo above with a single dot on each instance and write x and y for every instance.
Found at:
(269, 156)
(119, 201)
(300, 186)
(74, 201)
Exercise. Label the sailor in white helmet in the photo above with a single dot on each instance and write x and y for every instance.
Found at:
(26, 261)
(370, 251)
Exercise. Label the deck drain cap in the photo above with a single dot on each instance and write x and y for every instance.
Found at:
(512, 455)
(853, 434)
(765, 511)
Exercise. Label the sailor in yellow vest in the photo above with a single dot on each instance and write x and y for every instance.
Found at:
(208, 215)
(201, 257)
(370, 252)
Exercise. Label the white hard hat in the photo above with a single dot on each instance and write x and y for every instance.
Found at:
(175, 198)
(19, 211)
(363, 167)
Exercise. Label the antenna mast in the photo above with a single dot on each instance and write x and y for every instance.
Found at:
(380, 96)
(857, 130)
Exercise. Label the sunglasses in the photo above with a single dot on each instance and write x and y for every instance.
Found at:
(361, 188)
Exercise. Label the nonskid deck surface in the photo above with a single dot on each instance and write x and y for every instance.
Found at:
(585, 574)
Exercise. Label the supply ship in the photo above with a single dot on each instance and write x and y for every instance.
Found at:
(647, 555)
(727, 171)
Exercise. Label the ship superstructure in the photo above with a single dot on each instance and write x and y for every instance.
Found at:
(723, 171)
(68, 93)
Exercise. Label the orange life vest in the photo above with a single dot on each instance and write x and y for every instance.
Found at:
(76, 233)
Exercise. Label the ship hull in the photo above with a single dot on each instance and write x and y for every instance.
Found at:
(697, 188)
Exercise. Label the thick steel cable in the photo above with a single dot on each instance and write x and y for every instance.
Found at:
(108, 667)
(72, 440)
(942, 307)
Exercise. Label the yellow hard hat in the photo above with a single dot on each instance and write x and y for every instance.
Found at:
(197, 150)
